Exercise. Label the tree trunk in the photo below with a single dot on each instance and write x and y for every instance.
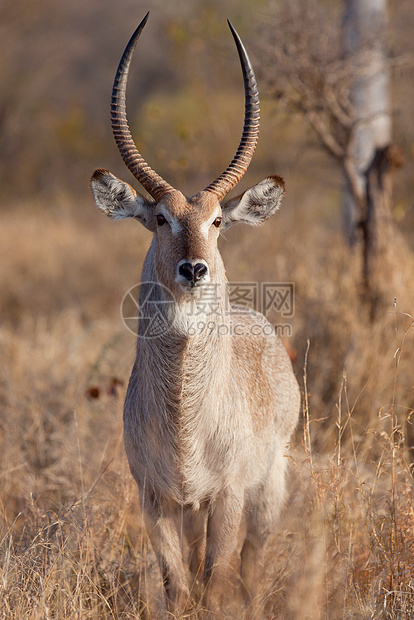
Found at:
(371, 159)
(384, 255)
(363, 37)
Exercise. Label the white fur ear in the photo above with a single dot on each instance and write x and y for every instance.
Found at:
(119, 200)
(256, 204)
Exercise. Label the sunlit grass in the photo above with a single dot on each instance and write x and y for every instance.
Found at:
(72, 544)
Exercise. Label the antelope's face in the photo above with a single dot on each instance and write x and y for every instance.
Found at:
(185, 244)
(185, 229)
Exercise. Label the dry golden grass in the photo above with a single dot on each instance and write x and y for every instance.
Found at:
(72, 544)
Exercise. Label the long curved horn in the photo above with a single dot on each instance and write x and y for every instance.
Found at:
(153, 183)
(238, 166)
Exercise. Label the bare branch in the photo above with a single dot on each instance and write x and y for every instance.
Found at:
(305, 68)
(325, 135)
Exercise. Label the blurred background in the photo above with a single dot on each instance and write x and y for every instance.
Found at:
(185, 105)
(65, 356)
(185, 95)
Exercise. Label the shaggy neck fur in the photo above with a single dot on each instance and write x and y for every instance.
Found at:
(190, 359)
(181, 382)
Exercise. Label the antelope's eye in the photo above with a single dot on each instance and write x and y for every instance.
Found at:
(160, 219)
(217, 222)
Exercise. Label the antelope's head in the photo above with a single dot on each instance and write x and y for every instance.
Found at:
(185, 229)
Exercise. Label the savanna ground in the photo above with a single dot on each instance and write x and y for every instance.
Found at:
(72, 544)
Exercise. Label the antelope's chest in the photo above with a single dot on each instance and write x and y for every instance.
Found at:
(209, 453)
(185, 428)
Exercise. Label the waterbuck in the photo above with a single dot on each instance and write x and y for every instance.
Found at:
(211, 402)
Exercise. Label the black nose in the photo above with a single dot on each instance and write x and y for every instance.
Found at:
(192, 273)
(200, 271)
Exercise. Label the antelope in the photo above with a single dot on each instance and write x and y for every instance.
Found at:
(208, 412)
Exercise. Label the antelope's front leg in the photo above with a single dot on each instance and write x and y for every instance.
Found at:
(163, 527)
(222, 528)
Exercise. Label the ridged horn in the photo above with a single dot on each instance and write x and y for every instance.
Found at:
(153, 183)
(238, 166)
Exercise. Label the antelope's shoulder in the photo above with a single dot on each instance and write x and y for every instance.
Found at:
(262, 368)
(252, 332)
